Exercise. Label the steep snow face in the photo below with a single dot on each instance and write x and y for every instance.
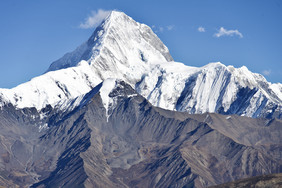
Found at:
(117, 48)
(212, 88)
(121, 48)
(51, 88)
(277, 89)
(164, 82)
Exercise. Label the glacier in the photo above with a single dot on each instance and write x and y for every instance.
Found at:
(121, 48)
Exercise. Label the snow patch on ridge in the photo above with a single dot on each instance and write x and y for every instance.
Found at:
(52, 87)
(277, 89)
(107, 86)
(43, 127)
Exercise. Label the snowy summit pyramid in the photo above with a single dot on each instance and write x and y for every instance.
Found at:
(91, 120)
(118, 43)
(121, 48)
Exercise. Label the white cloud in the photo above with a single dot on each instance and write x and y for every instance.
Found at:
(160, 29)
(95, 18)
(266, 72)
(224, 32)
(170, 27)
(201, 29)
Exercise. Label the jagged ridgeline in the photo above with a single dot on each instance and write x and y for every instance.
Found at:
(119, 112)
(125, 49)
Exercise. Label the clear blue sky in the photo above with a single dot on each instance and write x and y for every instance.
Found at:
(34, 33)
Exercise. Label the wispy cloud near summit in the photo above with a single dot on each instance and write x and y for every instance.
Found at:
(161, 29)
(170, 27)
(266, 72)
(95, 18)
(201, 29)
(224, 32)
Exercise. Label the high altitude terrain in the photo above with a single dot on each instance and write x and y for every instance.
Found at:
(119, 112)
(125, 49)
(273, 181)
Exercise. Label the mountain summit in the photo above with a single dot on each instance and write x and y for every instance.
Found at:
(93, 119)
(118, 42)
(124, 49)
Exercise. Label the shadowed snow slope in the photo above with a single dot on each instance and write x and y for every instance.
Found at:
(122, 48)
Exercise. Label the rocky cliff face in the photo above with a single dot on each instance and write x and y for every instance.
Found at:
(94, 118)
(272, 180)
(121, 140)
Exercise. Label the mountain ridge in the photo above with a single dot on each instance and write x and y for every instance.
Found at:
(119, 112)
(133, 143)
(106, 31)
(123, 49)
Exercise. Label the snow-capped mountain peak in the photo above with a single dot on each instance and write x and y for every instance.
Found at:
(120, 39)
(121, 48)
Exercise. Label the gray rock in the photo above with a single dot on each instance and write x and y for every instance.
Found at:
(138, 145)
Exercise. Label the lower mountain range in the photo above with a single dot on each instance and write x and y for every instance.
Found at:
(272, 180)
(119, 112)
(132, 144)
